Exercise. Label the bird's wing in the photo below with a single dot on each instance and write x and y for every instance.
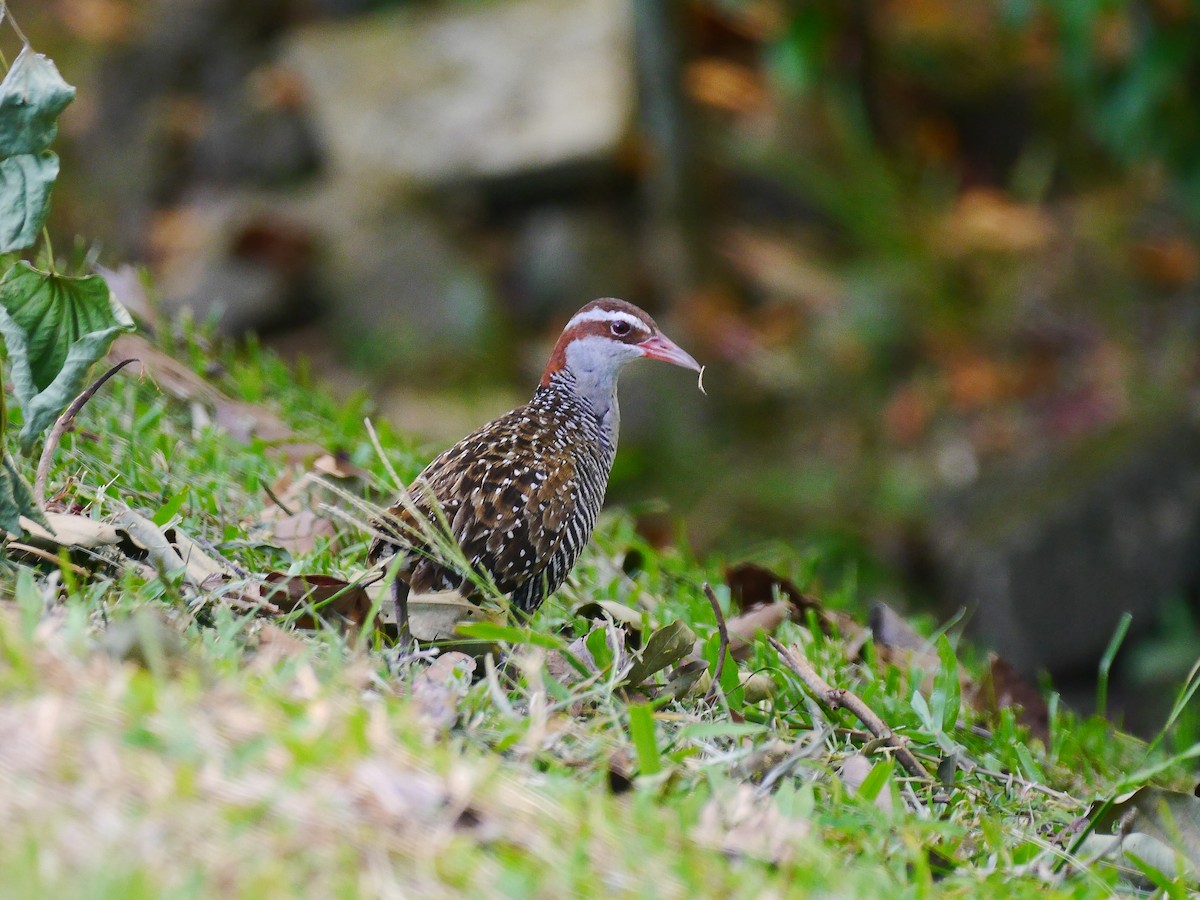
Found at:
(503, 493)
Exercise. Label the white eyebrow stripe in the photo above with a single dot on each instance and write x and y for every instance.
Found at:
(606, 315)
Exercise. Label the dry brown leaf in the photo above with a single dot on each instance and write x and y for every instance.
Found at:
(746, 823)
(317, 597)
(725, 85)
(338, 465)
(752, 585)
(988, 220)
(299, 533)
(276, 644)
(854, 771)
(1003, 687)
(438, 689)
(70, 530)
(243, 421)
(247, 421)
(892, 630)
(743, 628)
(1170, 262)
(168, 373)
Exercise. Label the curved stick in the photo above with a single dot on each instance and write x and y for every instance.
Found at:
(60, 428)
(833, 698)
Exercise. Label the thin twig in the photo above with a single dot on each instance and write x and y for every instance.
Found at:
(833, 698)
(723, 642)
(46, 556)
(60, 428)
(270, 493)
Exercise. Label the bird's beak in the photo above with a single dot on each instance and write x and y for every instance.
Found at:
(662, 347)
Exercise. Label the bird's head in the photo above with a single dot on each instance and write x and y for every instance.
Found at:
(606, 334)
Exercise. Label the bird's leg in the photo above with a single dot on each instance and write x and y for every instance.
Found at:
(400, 600)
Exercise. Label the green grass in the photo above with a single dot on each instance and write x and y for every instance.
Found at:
(157, 741)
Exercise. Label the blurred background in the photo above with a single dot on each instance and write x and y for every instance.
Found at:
(941, 256)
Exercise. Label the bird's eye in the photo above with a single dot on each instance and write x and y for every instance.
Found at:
(620, 328)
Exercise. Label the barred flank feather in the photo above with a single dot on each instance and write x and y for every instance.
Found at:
(520, 496)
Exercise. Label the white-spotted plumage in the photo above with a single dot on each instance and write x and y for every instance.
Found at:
(521, 495)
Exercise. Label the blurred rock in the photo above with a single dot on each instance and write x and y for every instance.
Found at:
(237, 259)
(463, 91)
(1048, 560)
(565, 255)
(183, 105)
(403, 295)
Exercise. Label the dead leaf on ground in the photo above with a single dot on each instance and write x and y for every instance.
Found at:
(1170, 817)
(246, 421)
(742, 628)
(628, 620)
(726, 86)
(854, 771)
(70, 530)
(438, 689)
(1003, 687)
(435, 617)
(892, 630)
(1171, 261)
(751, 585)
(276, 644)
(300, 533)
(664, 648)
(338, 465)
(987, 220)
(241, 420)
(317, 597)
(743, 822)
(175, 378)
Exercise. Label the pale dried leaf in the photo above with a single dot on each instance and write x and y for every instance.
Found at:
(741, 821)
(854, 771)
(299, 533)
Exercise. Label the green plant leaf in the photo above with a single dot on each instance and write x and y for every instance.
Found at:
(665, 647)
(16, 499)
(25, 184)
(55, 328)
(947, 693)
(641, 730)
(31, 97)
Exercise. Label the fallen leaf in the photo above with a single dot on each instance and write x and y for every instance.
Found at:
(1171, 262)
(172, 376)
(435, 617)
(438, 689)
(71, 530)
(338, 465)
(854, 771)
(752, 585)
(987, 220)
(249, 421)
(299, 533)
(743, 822)
(743, 628)
(317, 597)
(725, 85)
(664, 648)
(1170, 817)
(890, 629)
(1003, 687)
(629, 620)
(276, 644)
